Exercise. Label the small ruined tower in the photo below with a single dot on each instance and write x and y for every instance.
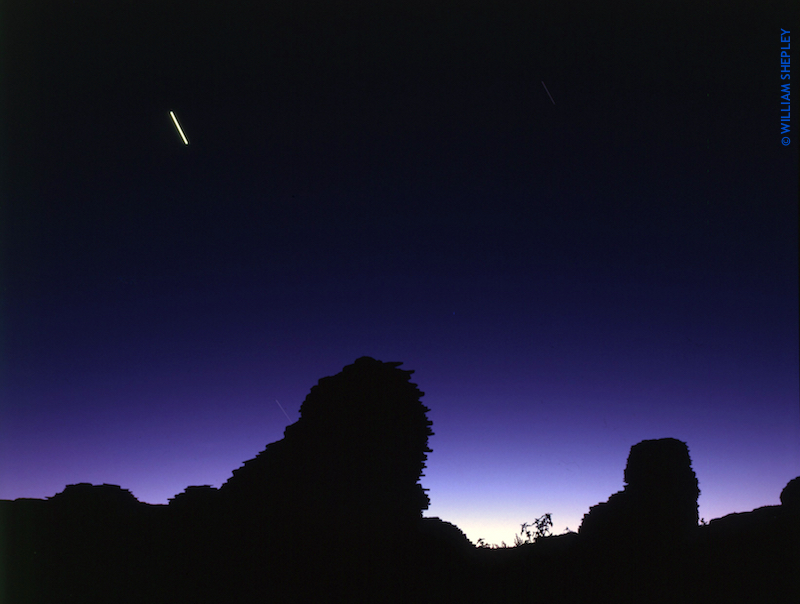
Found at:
(659, 502)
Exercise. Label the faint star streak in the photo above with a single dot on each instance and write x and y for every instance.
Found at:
(282, 409)
(548, 94)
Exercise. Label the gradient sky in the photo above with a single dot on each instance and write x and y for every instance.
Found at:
(566, 277)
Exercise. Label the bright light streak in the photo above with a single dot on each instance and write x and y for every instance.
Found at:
(178, 126)
(548, 94)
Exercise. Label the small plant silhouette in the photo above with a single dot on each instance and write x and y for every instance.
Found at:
(484, 545)
(533, 531)
(529, 533)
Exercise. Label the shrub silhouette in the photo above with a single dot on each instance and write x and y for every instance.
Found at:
(534, 531)
(530, 532)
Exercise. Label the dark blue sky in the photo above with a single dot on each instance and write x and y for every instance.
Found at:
(566, 278)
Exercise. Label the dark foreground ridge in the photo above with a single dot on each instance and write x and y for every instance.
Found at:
(333, 513)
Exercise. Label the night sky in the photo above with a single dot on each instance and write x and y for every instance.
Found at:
(567, 277)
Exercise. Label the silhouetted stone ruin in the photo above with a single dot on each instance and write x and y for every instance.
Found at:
(350, 465)
(344, 480)
(790, 496)
(659, 501)
(333, 513)
(195, 496)
(94, 498)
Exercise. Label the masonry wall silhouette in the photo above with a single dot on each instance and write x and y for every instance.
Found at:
(333, 513)
(356, 454)
(659, 501)
(342, 482)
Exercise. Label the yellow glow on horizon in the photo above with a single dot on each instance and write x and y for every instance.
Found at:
(178, 126)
